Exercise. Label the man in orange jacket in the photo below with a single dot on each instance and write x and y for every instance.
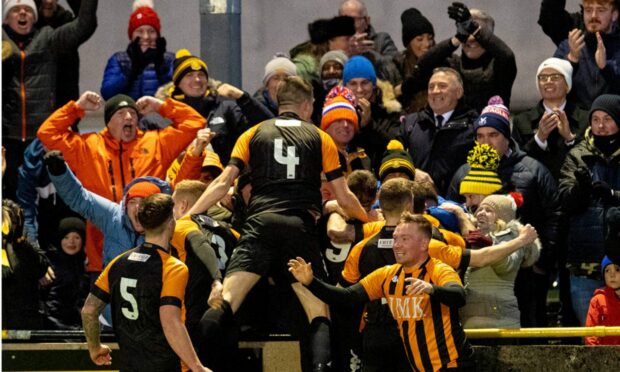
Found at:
(105, 162)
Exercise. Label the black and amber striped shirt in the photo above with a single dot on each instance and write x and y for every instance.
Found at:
(431, 331)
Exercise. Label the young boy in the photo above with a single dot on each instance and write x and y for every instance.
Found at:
(605, 304)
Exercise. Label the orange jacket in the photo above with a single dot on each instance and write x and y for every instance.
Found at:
(105, 165)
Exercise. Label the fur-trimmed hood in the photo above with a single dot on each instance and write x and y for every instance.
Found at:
(388, 96)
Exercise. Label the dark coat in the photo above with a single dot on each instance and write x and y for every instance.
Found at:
(541, 206)
(228, 119)
(525, 124)
(586, 215)
(439, 152)
(36, 57)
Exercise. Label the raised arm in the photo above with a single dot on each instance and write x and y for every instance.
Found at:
(216, 190)
(489, 255)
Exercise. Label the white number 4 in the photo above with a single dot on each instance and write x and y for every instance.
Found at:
(290, 160)
(132, 313)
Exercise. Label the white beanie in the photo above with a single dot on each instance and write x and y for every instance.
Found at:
(9, 4)
(279, 64)
(560, 65)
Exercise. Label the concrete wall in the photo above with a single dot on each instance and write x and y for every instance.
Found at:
(269, 26)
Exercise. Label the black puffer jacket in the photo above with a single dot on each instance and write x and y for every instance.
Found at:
(541, 206)
(439, 152)
(35, 58)
(586, 214)
(227, 118)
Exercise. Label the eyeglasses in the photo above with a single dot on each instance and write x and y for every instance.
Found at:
(551, 77)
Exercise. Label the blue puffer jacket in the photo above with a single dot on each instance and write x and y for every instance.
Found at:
(111, 218)
(117, 74)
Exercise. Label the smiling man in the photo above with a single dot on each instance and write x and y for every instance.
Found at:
(446, 122)
(422, 293)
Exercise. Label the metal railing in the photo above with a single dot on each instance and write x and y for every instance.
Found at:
(553, 332)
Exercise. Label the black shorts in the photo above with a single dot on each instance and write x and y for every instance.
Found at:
(268, 240)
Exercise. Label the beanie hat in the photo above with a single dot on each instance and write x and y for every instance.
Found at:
(10, 4)
(212, 160)
(116, 103)
(560, 65)
(279, 64)
(359, 67)
(143, 14)
(414, 24)
(339, 105)
(482, 177)
(396, 159)
(333, 55)
(496, 116)
(609, 103)
(142, 190)
(72, 224)
(185, 63)
(322, 30)
(504, 206)
(604, 263)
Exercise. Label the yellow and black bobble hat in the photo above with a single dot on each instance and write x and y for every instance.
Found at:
(184, 63)
(482, 178)
(396, 159)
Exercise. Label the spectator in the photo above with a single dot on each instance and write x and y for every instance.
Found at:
(275, 71)
(379, 110)
(589, 187)
(596, 52)
(94, 155)
(148, 320)
(376, 46)
(605, 304)
(490, 301)
(486, 64)
(535, 129)
(67, 293)
(446, 122)
(38, 198)
(541, 207)
(146, 64)
(230, 110)
(418, 37)
(556, 22)
(68, 72)
(30, 57)
(284, 196)
(23, 267)
(340, 121)
(396, 163)
(117, 221)
(331, 68)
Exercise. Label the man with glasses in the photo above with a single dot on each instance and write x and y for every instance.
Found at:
(550, 129)
(596, 52)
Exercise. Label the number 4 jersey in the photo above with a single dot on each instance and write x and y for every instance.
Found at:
(286, 157)
(136, 284)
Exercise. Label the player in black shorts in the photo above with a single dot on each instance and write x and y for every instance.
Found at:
(145, 287)
(286, 157)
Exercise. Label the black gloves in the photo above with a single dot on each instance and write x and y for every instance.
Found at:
(138, 59)
(55, 163)
(584, 180)
(465, 25)
(158, 58)
(602, 190)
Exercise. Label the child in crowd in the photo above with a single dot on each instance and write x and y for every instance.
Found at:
(605, 304)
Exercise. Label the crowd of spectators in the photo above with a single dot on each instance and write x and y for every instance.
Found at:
(431, 116)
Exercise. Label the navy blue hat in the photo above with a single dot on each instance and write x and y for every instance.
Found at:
(359, 67)
(606, 262)
(496, 116)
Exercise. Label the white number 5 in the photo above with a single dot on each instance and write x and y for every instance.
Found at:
(290, 160)
(132, 313)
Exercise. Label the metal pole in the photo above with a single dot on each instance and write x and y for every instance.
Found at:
(599, 331)
(220, 39)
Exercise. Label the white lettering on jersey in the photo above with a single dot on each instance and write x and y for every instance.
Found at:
(140, 257)
(406, 307)
(287, 123)
(385, 243)
(290, 160)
